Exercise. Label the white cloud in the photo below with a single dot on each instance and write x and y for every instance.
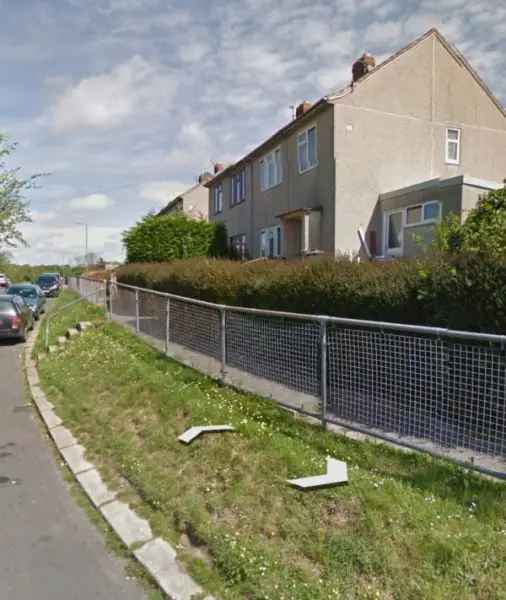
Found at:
(131, 89)
(91, 202)
(161, 192)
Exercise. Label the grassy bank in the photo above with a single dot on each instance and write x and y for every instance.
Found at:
(64, 319)
(406, 527)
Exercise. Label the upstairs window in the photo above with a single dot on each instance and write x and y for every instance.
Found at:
(306, 149)
(238, 187)
(271, 172)
(453, 146)
(218, 199)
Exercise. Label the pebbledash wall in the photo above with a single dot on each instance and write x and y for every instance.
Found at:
(431, 389)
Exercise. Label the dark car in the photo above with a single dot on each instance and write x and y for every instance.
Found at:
(16, 318)
(49, 284)
(31, 294)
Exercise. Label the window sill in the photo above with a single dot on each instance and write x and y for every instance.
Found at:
(308, 169)
(271, 187)
(453, 163)
(237, 203)
(427, 222)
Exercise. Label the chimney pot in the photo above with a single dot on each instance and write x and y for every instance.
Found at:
(218, 167)
(204, 177)
(302, 108)
(362, 66)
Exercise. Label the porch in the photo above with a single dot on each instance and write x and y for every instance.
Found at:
(301, 232)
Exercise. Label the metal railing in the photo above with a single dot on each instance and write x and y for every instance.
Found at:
(429, 388)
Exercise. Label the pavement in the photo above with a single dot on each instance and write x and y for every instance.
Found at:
(50, 550)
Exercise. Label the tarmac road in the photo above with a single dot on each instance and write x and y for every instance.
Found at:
(49, 550)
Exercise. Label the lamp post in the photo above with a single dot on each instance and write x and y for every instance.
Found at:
(85, 241)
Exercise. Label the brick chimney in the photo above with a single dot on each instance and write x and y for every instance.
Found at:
(204, 178)
(362, 66)
(218, 167)
(302, 108)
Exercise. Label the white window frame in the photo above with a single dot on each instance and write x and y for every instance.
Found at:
(303, 141)
(452, 161)
(423, 220)
(277, 236)
(265, 184)
(241, 175)
(404, 224)
(218, 199)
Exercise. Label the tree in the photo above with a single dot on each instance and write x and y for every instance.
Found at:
(482, 233)
(14, 209)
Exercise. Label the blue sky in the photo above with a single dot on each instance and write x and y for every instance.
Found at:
(125, 102)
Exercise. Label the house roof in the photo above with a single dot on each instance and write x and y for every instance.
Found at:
(335, 96)
(173, 202)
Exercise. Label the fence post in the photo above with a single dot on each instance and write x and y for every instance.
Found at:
(323, 372)
(137, 317)
(106, 308)
(167, 326)
(223, 343)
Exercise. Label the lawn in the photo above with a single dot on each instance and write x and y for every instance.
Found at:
(407, 526)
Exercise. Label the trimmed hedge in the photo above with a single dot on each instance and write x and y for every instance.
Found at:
(160, 238)
(465, 292)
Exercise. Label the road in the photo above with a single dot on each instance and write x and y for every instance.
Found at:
(49, 548)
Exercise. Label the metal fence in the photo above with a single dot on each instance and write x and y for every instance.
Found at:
(429, 388)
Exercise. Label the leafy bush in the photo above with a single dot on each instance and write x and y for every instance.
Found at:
(167, 237)
(461, 292)
(483, 232)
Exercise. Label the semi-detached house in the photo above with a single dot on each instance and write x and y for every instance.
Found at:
(372, 168)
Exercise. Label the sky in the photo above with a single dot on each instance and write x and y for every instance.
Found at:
(122, 103)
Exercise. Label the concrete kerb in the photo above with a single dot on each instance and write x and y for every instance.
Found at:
(156, 555)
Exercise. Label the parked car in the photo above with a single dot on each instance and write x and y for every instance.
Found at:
(4, 282)
(16, 318)
(31, 294)
(49, 284)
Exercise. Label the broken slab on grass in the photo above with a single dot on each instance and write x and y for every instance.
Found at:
(191, 434)
(84, 325)
(74, 457)
(337, 474)
(96, 489)
(72, 332)
(160, 559)
(130, 527)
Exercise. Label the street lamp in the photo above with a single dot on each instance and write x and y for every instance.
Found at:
(85, 240)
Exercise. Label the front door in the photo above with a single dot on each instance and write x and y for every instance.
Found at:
(393, 234)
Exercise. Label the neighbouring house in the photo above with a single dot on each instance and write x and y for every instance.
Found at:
(373, 168)
(194, 202)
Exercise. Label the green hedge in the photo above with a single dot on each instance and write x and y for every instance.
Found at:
(167, 237)
(466, 292)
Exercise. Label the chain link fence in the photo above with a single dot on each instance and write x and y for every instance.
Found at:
(431, 389)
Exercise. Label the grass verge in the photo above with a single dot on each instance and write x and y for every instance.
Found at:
(407, 526)
(82, 311)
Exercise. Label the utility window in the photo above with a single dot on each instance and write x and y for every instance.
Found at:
(271, 172)
(238, 187)
(306, 149)
(238, 246)
(218, 199)
(453, 146)
(422, 214)
(270, 242)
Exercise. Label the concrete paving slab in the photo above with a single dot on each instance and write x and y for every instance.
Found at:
(95, 488)
(72, 333)
(190, 434)
(160, 559)
(74, 456)
(50, 419)
(337, 474)
(130, 527)
(62, 437)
